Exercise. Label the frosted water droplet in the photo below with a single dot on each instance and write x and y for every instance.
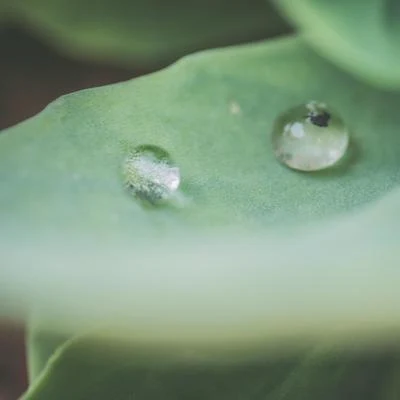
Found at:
(150, 173)
(310, 137)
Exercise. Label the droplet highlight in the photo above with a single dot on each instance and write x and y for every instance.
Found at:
(310, 137)
(150, 174)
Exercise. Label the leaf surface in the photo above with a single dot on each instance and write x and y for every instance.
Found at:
(82, 369)
(256, 256)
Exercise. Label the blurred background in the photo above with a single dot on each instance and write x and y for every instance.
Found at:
(33, 74)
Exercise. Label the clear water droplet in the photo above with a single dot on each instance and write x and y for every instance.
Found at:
(310, 137)
(150, 174)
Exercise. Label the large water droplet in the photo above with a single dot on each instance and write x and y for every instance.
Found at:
(310, 137)
(150, 173)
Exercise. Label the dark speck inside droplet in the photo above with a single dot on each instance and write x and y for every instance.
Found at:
(319, 118)
(310, 137)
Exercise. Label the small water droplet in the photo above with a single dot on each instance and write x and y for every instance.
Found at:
(310, 137)
(150, 174)
(235, 108)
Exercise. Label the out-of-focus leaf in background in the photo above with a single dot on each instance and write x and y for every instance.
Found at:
(110, 371)
(361, 36)
(142, 31)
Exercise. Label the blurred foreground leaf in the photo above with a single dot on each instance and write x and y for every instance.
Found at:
(81, 369)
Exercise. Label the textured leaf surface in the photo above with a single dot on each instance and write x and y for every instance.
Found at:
(79, 248)
(293, 260)
(146, 32)
(362, 37)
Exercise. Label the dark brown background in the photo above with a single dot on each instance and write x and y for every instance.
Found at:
(32, 75)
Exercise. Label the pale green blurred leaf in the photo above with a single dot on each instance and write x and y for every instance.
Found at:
(360, 36)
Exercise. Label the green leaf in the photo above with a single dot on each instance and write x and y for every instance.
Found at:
(360, 38)
(82, 369)
(292, 260)
(146, 32)
(41, 345)
(258, 257)
(4, 13)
